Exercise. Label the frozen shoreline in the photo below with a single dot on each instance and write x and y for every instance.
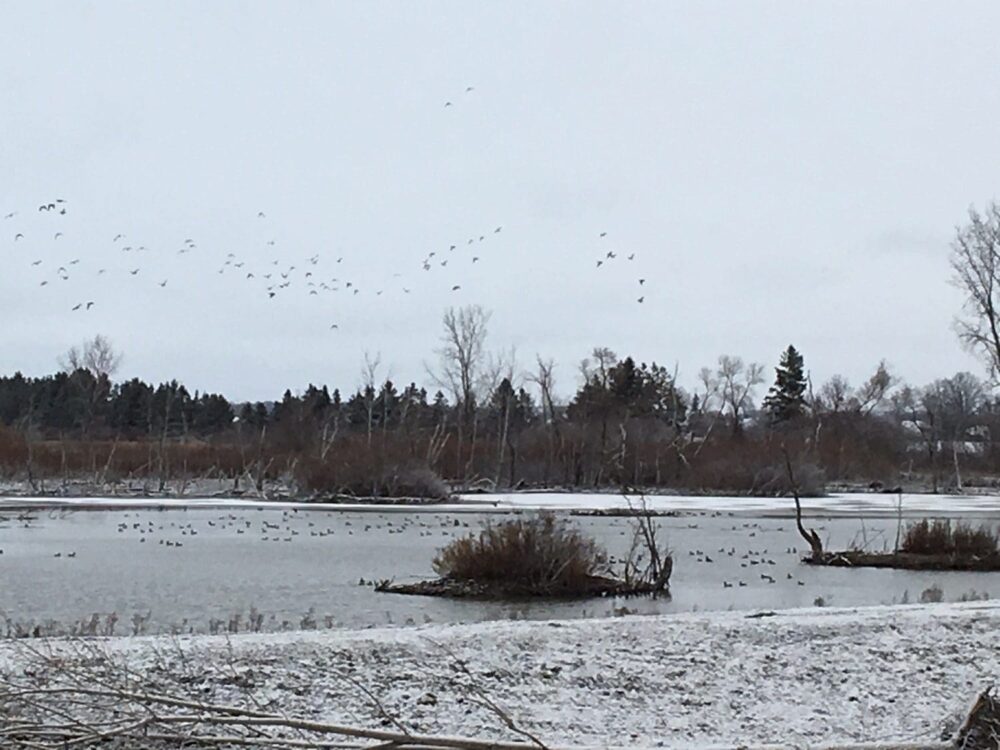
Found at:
(695, 680)
(835, 504)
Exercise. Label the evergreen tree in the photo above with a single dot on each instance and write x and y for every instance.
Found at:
(786, 399)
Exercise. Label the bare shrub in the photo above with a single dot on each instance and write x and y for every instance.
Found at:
(354, 470)
(540, 552)
(932, 595)
(773, 480)
(940, 537)
(974, 596)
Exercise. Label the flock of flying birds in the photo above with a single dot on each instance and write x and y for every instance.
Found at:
(42, 239)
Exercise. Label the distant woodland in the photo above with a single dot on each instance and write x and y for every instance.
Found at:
(484, 422)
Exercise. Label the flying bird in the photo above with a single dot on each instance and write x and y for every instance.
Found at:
(136, 271)
(11, 215)
(260, 214)
(641, 282)
(497, 230)
(447, 104)
(631, 256)
(164, 282)
(37, 263)
(641, 300)
(468, 89)
(334, 327)
(600, 263)
(90, 305)
(57, 235)
(604, 234)
(475, 258)
(43, 283)
(18, 236)
(78, 306)
(118, 237)
(456, 288)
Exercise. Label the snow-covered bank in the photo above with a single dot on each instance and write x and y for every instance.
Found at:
(873, 674)
(838, 504)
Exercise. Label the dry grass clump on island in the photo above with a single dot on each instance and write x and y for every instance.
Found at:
(942, 537)
(539, 552)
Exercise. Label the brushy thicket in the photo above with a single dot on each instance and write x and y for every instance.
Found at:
(538, 552)
(941, 537)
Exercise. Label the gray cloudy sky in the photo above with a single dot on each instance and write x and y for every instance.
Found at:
(783, 171)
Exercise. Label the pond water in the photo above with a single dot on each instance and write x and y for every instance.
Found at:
(188, 567)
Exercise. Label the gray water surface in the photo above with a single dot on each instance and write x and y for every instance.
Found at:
(186, 568)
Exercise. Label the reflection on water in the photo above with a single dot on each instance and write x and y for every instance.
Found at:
(188, 568)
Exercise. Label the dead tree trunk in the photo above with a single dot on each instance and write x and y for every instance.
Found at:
(809, 535)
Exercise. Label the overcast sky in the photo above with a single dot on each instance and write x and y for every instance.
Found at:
(783, 172)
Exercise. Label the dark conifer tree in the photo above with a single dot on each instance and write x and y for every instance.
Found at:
(786, 399)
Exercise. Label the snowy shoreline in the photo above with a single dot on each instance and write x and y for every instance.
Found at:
(854, 504)
(901, 673)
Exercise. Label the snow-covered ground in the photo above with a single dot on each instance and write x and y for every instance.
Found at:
(793, 677)
(847, 503)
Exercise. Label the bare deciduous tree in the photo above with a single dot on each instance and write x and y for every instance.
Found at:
(90, 367)
(959, 399)
(544, 378)
(975, 260)
(461, 360)
(500, 369)
(873, 393)
(97, 356)
(736, 385)
(369, 376)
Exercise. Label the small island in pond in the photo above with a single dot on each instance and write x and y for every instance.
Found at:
(927, 545)
(542, 557)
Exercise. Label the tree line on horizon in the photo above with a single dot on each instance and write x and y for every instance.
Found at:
(486, 426)
(485, 423)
